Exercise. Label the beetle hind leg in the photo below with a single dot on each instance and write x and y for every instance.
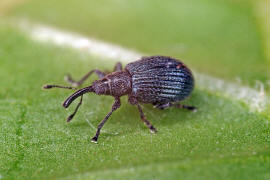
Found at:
(132, 100)
(190, 108)
(146, 122)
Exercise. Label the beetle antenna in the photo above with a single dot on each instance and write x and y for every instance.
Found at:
(75, 95)
(57, 86)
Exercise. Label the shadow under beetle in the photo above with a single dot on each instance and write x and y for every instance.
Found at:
(158, 80)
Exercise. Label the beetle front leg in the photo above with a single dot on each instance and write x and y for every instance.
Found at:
(70, 80)
(116, 105)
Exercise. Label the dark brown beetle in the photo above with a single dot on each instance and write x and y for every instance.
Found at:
(158, 80)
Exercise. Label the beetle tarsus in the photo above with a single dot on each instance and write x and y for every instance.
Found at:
(94, 139)
(70, 117)
(153, 129)
(190, 108)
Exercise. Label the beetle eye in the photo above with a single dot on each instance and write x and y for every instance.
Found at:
(104, 80)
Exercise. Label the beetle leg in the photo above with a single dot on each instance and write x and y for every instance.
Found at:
(162, 106)
(118, 67)
(70, 80)
(116, 105)
(132, 100)
(167, 105)
(146, 122)
(181, 106)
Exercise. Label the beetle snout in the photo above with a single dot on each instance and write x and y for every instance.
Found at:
(77, 94)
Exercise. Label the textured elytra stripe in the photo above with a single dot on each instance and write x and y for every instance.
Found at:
(174, 77)
(161, 90)
(165, 95)
(161, 70)
(256, 100)
(162, 86)
(160, 80)
(163, 74)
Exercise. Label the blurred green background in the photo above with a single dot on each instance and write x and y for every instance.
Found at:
(223, 34)
(227, 39)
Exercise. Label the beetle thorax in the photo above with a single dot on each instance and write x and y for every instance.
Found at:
(115, 84)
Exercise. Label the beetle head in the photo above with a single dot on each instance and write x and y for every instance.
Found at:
(102, 86)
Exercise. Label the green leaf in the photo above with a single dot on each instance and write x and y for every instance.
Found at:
(37, 143)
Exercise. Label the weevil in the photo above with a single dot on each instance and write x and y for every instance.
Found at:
(158, 80)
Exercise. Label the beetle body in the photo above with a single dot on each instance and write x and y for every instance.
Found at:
(158, 80)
